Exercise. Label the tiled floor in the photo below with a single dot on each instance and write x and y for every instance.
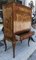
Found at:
(33, 56)
(22, 50)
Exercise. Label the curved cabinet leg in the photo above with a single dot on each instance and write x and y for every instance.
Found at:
(5, 44)
(28, 41)
(32, 39)
(13, 44)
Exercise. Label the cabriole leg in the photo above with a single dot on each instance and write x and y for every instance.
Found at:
(5, 44)
(28, 41)
(13, 44)
(32, 39)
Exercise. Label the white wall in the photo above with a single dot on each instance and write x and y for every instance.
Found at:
(27, 2)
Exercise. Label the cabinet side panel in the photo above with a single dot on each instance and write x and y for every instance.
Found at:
(7, 20)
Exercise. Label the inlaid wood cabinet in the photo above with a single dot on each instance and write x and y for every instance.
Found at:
(16, 19)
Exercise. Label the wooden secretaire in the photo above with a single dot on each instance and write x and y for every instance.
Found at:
(16, 19)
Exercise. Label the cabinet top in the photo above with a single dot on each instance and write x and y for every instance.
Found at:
(14, 3)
